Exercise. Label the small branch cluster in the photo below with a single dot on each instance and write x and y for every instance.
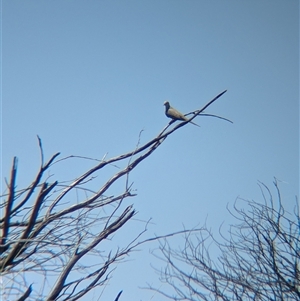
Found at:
(259, 259)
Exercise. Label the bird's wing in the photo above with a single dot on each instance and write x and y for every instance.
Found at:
(174, 114)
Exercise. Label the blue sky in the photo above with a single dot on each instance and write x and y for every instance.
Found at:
(88, 76)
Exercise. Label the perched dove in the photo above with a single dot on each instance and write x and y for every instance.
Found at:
(174, 114)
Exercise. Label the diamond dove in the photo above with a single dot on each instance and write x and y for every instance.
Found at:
(174, 114)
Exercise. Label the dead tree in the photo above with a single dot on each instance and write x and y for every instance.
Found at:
(257, 259)
(57, 237)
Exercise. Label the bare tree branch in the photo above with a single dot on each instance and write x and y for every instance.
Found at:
(64, 231)
(8, 207)
(117, 298)
(26, 294)
(258, 258)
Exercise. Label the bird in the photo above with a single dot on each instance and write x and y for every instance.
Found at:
(174, 114)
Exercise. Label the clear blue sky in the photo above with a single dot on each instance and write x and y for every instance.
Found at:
(88, 76)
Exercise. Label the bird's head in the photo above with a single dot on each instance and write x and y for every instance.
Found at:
(166, 104)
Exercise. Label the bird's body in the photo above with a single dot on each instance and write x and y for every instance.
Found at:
(174, 114)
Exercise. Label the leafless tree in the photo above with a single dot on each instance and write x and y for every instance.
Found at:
(257, 259)
(58, 237)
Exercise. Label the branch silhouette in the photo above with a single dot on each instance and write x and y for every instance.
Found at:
(61, 229)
